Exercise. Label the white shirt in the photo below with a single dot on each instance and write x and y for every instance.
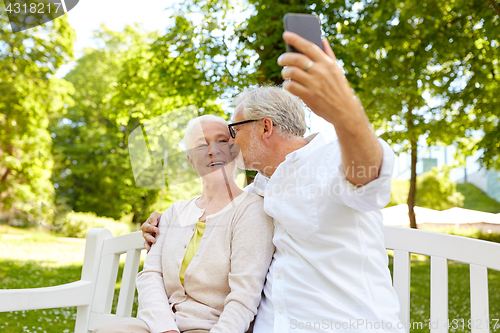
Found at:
(330, 269)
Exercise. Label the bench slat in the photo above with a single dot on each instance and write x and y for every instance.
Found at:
(121, 244)
(452, 247)
(106, 281)
(99, 319)
(401, 283)
(439, 295)
(127, 289)
(479, 299)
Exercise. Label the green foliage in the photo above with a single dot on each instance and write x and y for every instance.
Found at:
(135, 77)
(79, 224)
(477, 199)
(93, 172)
(399, 192)
(30, 274)
(263, 31)
(426, 70)
(31, 97)
(435, 190)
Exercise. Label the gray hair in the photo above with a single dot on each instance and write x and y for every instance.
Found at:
(285, 110)
(193, 123)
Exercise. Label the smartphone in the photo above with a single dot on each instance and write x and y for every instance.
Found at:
(304, 25)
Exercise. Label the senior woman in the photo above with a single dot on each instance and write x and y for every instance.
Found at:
(206, 271)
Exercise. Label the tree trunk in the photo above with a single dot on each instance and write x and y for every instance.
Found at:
(413, 186)
(11, 216)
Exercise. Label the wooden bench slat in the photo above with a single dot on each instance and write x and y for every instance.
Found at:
(401, 283)
(105, 285)
(121, 244)
(452, 247)
(439, 295)
(127, 289)
(479, 299)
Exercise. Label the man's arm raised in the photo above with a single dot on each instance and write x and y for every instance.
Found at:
(318, 80)
(150, 230)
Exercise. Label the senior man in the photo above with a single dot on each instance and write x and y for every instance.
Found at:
(329, 272)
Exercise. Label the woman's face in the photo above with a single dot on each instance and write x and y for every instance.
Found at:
(212, 149)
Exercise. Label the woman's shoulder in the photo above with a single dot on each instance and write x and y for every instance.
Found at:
(177, 208)
(250, 203)
(248, 199)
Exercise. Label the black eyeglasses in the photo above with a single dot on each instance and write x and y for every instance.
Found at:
(231, 129)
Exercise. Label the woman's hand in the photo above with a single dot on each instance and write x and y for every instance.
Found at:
(150, 230)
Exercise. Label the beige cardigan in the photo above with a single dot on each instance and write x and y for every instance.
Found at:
(223, 282)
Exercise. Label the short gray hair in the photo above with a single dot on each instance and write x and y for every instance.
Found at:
(193, 123)
(286, 110)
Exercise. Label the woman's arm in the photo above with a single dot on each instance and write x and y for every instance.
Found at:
(251, 253)
(154, 307)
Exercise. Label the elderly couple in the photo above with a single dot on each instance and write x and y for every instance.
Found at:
(301, 248)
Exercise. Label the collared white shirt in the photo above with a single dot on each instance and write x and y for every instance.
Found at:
(330, 269)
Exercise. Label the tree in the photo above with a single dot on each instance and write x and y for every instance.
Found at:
(436, 191)
(409, 53)
(30, 98)
(428, 69)
(134, 78)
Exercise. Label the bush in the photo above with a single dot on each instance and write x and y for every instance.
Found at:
(435, 190)
(79, 224)
(399, 192)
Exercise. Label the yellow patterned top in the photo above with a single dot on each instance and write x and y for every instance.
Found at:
(192, 248)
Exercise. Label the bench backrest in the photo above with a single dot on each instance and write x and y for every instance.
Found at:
(480, 255)
(108, 263)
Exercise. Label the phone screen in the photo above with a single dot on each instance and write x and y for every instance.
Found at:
(306, 26)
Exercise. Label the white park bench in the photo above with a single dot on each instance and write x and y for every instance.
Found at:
(93, 294)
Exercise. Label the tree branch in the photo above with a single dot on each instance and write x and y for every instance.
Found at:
(495, 6)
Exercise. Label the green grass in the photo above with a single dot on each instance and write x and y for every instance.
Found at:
(41, 262)
(477, 200)
(33, 259)
(459, 297)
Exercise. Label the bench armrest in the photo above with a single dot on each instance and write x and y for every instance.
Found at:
(70, 294)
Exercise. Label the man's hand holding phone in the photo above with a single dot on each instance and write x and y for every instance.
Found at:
(315, 77)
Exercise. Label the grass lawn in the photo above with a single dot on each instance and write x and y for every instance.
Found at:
(477, 199)
(31, 259)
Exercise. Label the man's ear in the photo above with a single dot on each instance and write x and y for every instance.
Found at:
(268, 127)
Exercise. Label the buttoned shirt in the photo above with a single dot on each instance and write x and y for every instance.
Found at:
(330, 269)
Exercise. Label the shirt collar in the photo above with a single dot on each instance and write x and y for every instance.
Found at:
(314, 141)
